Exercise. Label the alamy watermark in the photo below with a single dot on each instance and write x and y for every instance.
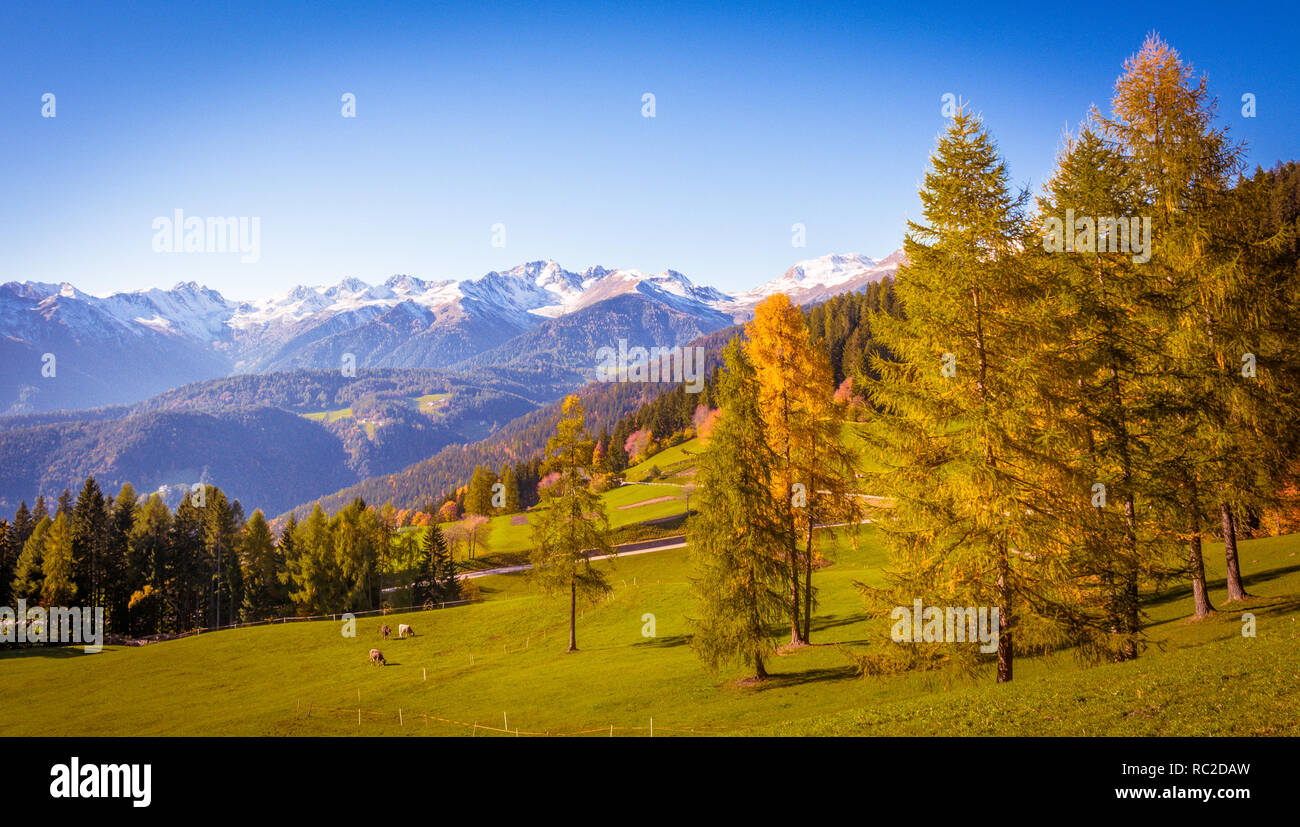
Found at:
(213, 234)
(1123, 234)
(57, 624)
(947, 624)
(655, 364)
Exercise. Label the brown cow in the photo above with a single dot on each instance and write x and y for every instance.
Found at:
(383, 631)
(376, 657)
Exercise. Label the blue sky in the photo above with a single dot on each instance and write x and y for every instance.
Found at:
(470, 115)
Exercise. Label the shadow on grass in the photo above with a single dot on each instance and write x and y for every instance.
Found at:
(14, 651)
(807, 677)
(1184, 590)
(820, 624)
(665, 642)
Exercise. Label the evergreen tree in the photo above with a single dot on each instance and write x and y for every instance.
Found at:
(190, 588)
(360, 538)
(221, 526)
(8, 560)
(288, 552)
(572, 523)
(41, 510)
(90, 535)
(444, 567)
(436, 575)
(737, 536)
(64, 503)
(119, 583)
(22, 525)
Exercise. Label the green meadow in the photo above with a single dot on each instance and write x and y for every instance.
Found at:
(499, 665)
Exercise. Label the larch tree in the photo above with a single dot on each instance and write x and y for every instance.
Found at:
(737, 539)
(957, 409)
(58, 587)
(794, 386)
(29, 576)
(571, 523)
(1110, 342)
(264, 569)
(1162, 122)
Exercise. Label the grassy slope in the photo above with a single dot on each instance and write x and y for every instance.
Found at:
(508, 543)
(260, 680)
(505, 655)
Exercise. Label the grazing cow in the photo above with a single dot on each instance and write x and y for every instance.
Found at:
(383, 631)
(376, 657)
(403, 630)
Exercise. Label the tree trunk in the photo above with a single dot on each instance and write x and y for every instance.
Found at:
(1235, 590)
(796, 631)
(573, 617)
(760, 672)
(807, 585)
(1006, 648)
(1132, 612)
(1200, 595)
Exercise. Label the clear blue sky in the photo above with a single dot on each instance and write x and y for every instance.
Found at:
(483, 113)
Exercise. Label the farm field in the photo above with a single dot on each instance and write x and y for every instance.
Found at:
(498, 665)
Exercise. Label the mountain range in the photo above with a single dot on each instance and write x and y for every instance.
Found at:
(61, 348)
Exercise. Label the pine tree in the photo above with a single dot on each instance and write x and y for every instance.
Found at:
(572, 523)
(64, 503)
(444, 567)
(288, 552)
(8, 560)
(22, 525)
(221, 550)
(90, 535)
(119, 583)
(424, 585)
(436, 573)
(737, 537)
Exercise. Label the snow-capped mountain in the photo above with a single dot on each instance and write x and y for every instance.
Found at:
(126, 346)
(817, 279)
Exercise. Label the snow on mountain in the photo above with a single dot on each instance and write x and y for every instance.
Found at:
(816, 279)
(536, 289)
(403, 321)
(188, 309)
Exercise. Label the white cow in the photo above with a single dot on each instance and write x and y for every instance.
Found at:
(403, 630)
